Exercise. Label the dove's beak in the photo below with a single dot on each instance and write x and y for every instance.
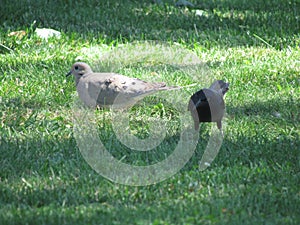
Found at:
(69, 73)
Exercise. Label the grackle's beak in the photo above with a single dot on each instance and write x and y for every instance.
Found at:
(226, 88)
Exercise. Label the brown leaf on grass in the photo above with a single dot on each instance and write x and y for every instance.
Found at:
(19, 34)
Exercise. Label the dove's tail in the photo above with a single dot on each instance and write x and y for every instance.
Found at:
(169, 88)
(161, 88)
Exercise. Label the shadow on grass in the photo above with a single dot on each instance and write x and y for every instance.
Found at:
(279, 110)
(34, 142)
(230, 23)
(62, 186)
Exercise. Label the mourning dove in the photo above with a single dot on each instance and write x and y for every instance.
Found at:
(111, 89)
(207, 105)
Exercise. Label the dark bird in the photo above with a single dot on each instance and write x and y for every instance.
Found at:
(207, 105)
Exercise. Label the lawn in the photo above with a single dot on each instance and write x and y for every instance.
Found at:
(254, 45)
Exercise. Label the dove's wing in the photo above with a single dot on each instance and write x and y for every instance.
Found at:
(106, 89)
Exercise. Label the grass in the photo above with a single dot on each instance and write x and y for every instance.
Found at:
(252, 44)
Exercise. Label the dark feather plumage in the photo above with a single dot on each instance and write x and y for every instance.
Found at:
(207, 105)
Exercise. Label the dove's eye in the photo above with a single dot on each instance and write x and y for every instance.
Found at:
(76, 67)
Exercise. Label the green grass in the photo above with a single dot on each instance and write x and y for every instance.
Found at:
(252, 44)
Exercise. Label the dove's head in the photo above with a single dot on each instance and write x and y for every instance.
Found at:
(79, 69)
(220, 86)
